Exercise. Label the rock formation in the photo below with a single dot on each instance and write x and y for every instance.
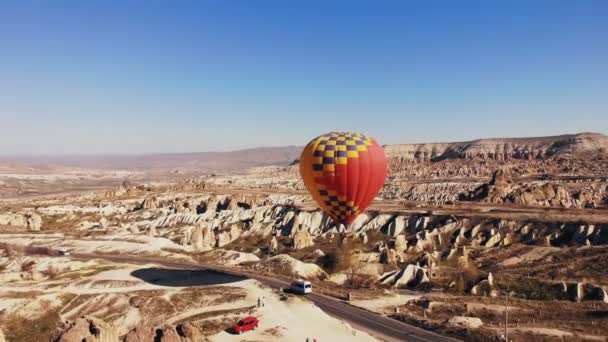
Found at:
(150, 203)
(89, 329)
(494, 191)
(285, 264)
(302, 239)
(465, 322)
(501, 148)
(482, 289)
(400, 244)
(29, 220)
(408, 276)
(502, 189)
(202, 237)
(389, 256)
(273, 246)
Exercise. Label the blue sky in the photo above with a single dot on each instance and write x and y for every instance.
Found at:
(183, 76)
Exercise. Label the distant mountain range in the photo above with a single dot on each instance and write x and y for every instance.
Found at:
(200, 161)
(494, 148)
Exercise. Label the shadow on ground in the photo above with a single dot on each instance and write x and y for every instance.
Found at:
(178, 278)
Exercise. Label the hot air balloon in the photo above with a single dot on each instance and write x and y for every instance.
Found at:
(343, 172)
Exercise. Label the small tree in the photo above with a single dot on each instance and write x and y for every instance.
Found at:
(356, 278)
(353, 273)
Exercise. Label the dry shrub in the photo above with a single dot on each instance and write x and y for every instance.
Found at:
(464, 277)
(340, 258)
(51, 272)
(32, 250)
(17, 328)
(155, 309)
(8, 250)
(362, 281)
(27, 266)
(343, 259)
(11, 250)
(356, 279)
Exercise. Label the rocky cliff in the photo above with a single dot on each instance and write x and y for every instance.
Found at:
(502, 189)
(503, 148)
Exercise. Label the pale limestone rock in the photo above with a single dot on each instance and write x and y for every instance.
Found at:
(507, 241)
(285, 264)
(400, 244)
(152, 231)
(196, 239)
(302, 239)
(580, 291)
(411, 275)
(150, 203)
(84, 225)
(33, 221)
(313, 222)
(111, 209)
(317, 253)
(388, 256)
(274, 245)
(397, 226)
(465, 322)
(13, 219)
(227, 236)
(133, 229)
(376, 223)
(494, 240)
(483, 288)
(358, 223)
(104, 223)
(363, 237)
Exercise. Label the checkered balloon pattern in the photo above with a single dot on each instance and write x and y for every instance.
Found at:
(343, 172)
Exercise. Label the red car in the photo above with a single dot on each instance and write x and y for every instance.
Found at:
(247, 323)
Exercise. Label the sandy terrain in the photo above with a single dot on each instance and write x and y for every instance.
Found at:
(280, 319)
(385, 304)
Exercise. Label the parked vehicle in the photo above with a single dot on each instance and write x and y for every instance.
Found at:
(301, 286)
(64, 251)
(245, 324)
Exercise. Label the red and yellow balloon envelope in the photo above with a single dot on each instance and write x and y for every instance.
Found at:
(343, 172)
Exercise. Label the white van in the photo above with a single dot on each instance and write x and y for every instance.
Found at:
(301, 286)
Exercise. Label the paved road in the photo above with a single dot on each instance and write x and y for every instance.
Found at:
(379, 326)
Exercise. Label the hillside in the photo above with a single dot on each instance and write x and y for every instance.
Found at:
(539, 148)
